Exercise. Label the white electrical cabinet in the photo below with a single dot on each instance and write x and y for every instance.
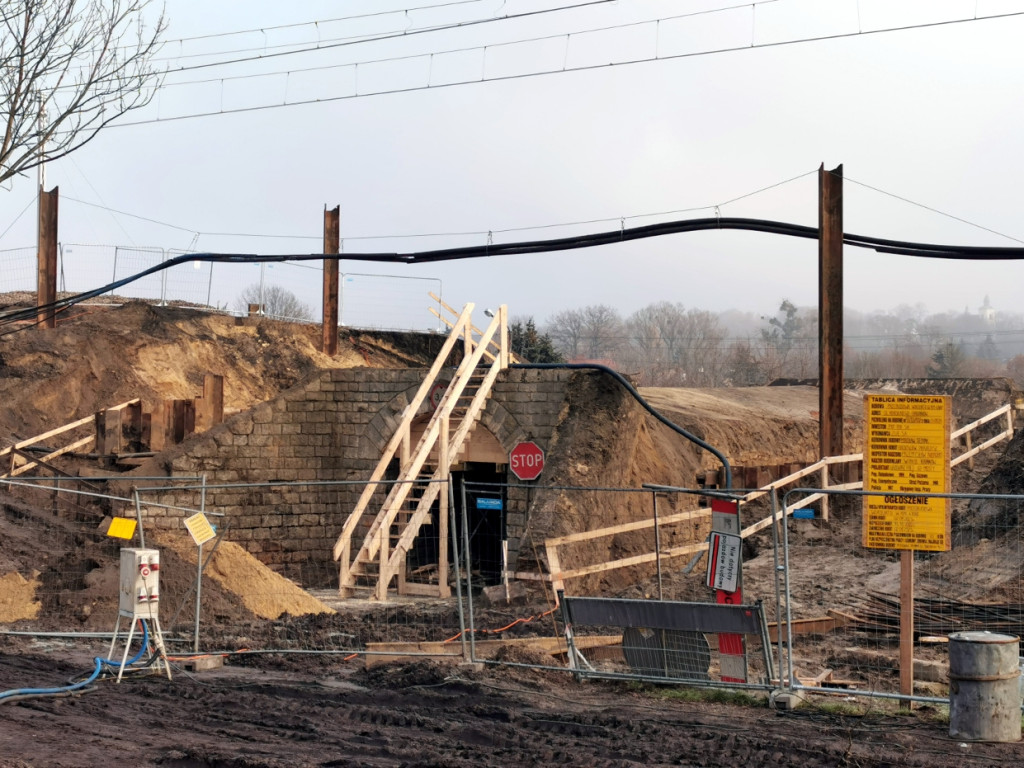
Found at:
(140, 583)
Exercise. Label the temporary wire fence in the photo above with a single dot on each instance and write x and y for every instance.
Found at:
(366, 301)
(18, 270)
(838, 602)
(842, 631)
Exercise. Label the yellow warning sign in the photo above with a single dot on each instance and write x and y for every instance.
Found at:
(906, 451)
(121, 528)
(200, 528)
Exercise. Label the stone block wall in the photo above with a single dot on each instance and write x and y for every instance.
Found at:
(332, 429)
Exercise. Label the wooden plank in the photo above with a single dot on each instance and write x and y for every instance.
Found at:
(50, 456)
(821, 625)
(986, 418)
(680, 517)
(343, 543)
(472, 328)
(108, 432)
(979, 448)
(52, 433)
(627, 562)
(387, 652)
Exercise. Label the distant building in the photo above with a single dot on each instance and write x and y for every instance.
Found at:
(987, 312)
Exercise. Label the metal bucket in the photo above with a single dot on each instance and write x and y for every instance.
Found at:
(984, 687)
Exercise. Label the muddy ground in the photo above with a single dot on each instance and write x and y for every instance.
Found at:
(320, 710)
(425, 714)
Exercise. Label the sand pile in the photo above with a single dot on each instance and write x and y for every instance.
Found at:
(18, 597)
(262, 591)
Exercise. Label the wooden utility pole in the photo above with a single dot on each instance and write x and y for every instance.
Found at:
(332, 241)
(46, 257)
(830, 311)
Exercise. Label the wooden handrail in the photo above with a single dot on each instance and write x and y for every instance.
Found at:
(557, 575)
(344, 538)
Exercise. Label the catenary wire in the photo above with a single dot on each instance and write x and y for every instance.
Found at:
(564, 70)
(932, 210)
(471, 233)
(400, 35)
(467, 49)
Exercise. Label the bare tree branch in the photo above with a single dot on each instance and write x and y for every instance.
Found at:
(68, 68)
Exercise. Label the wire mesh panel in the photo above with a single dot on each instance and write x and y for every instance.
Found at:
(845, 610)
(386, 302)
(131, 261)
(674, 641)
(18, 267)
(189, 282)
(84, 267)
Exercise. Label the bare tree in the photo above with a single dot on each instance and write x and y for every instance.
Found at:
(277, 302)
(67, 69)
(673, 346)
(592, 333)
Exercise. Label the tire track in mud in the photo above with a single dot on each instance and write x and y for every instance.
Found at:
(272, 720)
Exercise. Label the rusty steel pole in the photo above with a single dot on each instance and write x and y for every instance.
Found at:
(332, 242)
(46, 257)
(830, 311)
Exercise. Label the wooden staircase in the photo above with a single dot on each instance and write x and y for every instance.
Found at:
(424, 471)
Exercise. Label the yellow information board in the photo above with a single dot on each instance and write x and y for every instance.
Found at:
(199, 526)
(906, 450)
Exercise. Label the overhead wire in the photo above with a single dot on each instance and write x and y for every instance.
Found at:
(484, 78)
(466, 49)
(467, 233)
(491, 250)
(933, 210)
(400, 35)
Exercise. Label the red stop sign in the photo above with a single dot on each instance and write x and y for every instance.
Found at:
(526, 460)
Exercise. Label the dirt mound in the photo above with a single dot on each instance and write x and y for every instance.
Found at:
(18, 597)
(263, 592)
(142, 350)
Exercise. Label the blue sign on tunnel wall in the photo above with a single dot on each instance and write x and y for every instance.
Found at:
(483, 503)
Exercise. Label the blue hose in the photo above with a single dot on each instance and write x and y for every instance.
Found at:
(100, 663)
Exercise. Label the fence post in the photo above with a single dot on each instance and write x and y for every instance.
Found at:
(824, 486)
(163, 279)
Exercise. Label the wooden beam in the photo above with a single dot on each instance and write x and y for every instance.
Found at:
(830, 311)
(210, 407)
(108, 432)
(382, 653)
(332, 243)
(46, 292)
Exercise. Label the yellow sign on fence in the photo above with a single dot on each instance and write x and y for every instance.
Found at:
(906, 451)
(199, 526)
(121, 528)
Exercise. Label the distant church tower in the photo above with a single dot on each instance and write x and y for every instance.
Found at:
(988, 313)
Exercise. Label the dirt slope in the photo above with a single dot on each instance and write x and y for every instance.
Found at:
(103, 356)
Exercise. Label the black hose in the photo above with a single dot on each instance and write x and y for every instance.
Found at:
(639, 398)
(882, 245)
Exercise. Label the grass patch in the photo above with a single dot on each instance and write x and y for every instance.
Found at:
(707, 695)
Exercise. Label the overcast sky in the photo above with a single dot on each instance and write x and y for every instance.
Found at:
(931, 114)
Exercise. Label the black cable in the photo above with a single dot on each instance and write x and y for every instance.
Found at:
(639, 398)
(881, 245)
